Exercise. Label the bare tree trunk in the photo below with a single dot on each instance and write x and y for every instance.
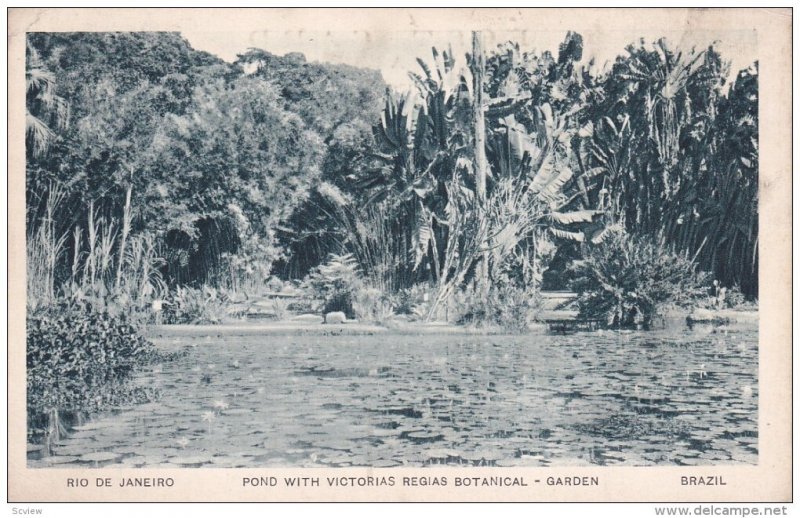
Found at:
(481, 165)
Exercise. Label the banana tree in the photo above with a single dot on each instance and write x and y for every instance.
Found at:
(677, 157)
(534, 185)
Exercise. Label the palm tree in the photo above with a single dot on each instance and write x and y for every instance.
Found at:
(45, 110)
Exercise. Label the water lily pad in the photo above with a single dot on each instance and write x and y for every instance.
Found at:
(514, 462)
(249, 453)
(76, 449)
(341, 462)
(383, 432)
(383, 463)
(59, 459)
(138, 460)
(276, 461)
(296, 451)
(441, 453)
(420, 437)
(237, 411)
(336, 445)
(225, 460)
(744, 458)
(157, 452)
(190, 461)
(93, 425)
(82, 434)
(100, 456)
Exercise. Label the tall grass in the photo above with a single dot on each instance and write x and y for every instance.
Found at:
(377, 236)
(108, 263)
(45, 247)
(126, 229)
(381, 248)
(143, 279)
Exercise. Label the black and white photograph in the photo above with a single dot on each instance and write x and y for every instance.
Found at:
(466, 249)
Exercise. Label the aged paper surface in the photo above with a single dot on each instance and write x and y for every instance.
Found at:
(747, 34)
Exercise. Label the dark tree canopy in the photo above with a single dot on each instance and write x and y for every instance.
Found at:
(272, 163)
(216, 160)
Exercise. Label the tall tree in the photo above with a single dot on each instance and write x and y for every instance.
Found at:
(339, 103)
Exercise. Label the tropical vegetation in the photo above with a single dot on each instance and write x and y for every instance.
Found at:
(178, 169)
(164, 184)
(82, 357)
(626, 282)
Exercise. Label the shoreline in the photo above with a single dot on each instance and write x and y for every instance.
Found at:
(293, 328)
(288, 328)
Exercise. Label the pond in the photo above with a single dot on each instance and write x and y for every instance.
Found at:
(676, 397)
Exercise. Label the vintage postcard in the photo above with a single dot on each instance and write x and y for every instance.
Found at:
(396, 255)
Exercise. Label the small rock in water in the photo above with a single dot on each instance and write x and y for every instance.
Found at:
(335, 317)
(702, 315)
(308, 318)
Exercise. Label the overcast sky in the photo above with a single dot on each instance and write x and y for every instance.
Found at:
(394, 53)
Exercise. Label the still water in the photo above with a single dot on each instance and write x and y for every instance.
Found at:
(685, 397)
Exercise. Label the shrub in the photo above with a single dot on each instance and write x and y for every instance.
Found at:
(413, 301)
(80, 359)
(281, 308)
(733, 298)
(626, 281)
(720, 297)
(332, 286)
(187, 305)
(372, 305)
(508, 307)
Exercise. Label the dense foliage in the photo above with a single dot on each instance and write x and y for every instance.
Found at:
(505, 307)
(188, 305)
(333, 286)
(679, 156)
(81, 359)
(211, 159)
(153, 167)
(625, 281)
